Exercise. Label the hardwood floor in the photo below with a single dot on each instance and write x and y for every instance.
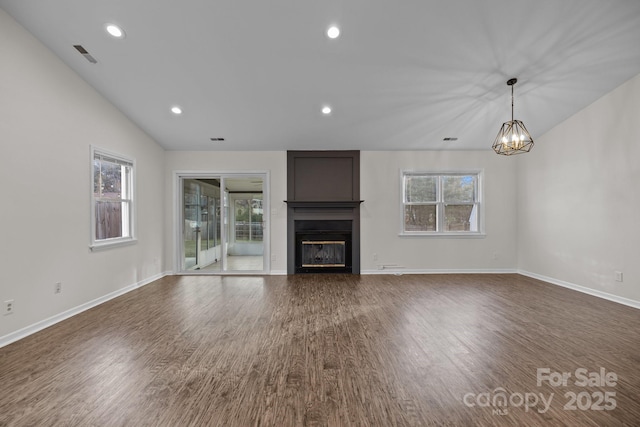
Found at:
(334, 350)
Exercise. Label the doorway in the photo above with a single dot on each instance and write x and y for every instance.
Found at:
(221, 223)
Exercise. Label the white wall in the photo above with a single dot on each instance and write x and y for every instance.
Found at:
(48, 118)
(274, 162)
(579, 203)
(381, 214)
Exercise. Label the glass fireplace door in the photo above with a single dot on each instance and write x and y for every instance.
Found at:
(324, 253)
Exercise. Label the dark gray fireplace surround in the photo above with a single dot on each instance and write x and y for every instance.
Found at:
(323, 212)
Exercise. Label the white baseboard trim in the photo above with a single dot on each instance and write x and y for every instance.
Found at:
(593, 292)
(401, 271)
(278, 273)
(36, 327)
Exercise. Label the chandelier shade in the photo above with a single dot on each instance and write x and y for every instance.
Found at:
(513, 138)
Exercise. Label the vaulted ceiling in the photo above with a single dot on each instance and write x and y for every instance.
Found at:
(402, 75)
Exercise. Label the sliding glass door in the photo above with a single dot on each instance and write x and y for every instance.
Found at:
(202, 224)
(221, 223)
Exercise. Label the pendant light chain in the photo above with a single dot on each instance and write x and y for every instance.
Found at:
(512, 102)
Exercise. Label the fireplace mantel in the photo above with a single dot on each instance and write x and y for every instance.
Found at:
(323, 203)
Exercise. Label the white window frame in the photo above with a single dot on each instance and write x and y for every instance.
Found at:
(440, 204)
(127, 195)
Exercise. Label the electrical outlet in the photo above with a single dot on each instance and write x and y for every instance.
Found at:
(8, 307)
(273, 257)
(375, 257)
(618, 276)
(57, 288)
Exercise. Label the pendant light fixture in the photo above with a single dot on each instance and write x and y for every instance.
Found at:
(513, 137)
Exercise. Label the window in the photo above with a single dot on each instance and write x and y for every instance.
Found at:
(248, 218)
(112, 199)
(441, 203)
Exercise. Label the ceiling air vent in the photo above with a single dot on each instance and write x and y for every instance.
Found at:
(84, 53)
(450, 138)
(217, 139)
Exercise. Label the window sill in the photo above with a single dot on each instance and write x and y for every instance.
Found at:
(454, 235)
(114, 243)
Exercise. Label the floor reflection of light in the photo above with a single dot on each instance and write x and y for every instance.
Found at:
(443, 340)
(199, 301)
(243, 286)
(112, 366)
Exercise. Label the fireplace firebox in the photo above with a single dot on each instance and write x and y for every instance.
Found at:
(323, 246)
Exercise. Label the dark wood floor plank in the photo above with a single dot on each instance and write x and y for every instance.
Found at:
(323, 350)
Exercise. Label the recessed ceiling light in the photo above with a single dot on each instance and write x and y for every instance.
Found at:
(176, 110)
(333, 32)
(326, 110)
(115, 31)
